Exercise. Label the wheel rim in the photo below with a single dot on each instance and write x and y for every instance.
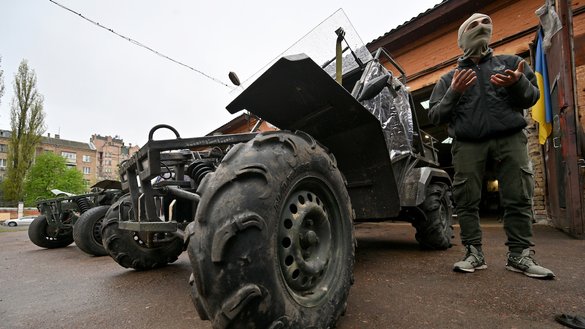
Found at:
(306, 240)
(97, 231)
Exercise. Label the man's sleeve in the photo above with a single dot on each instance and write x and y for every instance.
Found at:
(524, 93)
(442, 102)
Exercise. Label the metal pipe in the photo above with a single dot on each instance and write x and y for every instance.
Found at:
(183, 194)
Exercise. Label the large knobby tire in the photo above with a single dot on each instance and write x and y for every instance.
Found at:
(128, 248)
(435, 230)
(46, 236)
(87, 231)
(272, 243)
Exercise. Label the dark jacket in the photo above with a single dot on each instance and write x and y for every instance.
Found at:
(484, 110)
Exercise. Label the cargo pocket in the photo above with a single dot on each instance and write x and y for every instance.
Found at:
(527, 178)
(460, 192)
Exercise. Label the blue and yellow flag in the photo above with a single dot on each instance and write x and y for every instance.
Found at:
(542, 110)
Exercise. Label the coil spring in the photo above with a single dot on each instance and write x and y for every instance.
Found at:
(83, 205)
(199, 169)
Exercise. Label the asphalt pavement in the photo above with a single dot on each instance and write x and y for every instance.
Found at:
(397, 286)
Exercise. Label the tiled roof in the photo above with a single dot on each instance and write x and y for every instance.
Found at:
(65, 143)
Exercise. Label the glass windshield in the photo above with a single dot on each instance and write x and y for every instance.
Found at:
(390, 104)
(319, 45)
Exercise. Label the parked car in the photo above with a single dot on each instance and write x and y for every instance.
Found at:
(26, 220)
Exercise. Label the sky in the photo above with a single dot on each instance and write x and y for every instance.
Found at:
(94, 82)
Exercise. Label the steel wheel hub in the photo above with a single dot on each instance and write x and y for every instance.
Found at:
(304, 238)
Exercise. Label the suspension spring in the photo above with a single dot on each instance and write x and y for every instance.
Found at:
(83, 205)
(199, 169)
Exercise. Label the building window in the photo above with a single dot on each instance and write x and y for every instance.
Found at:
(69, 155)
(2, 163)
(86, 158)
(87, 170)
(3, 148)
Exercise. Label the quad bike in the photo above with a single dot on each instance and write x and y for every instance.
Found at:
(68, 218)
(267, 218)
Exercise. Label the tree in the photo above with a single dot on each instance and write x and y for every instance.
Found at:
(27, 121)
(1, 94)
(51, 172)
(1, 82)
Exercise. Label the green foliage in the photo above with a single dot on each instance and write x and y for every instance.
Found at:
(1, 82)
(51, 172)
(27, 120)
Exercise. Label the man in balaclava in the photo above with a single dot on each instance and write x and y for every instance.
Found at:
(474, 35)
(483, 101)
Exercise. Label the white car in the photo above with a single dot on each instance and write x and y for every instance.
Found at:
(26, 220)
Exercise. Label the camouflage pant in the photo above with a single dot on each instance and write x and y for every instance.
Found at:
(515, 183)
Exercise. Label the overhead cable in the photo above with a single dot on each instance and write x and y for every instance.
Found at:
(141, 45)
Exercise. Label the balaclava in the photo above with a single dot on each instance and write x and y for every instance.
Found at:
(474, 42)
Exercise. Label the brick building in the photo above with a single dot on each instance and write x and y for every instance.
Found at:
(4, 137)
(97, 160)
(110, 152)
(78, 155)
(243, 123)
(426, 47)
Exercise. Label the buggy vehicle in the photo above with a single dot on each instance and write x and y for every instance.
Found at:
(267, 218)
(68, 218)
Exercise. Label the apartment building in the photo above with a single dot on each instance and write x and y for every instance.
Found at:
(78, 155)
(97, 160)
(110, 152)
(4, 138)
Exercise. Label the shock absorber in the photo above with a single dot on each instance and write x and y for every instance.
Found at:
(199, 169)
(83, 205)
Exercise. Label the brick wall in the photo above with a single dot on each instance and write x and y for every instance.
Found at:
(535, 152)
(509, 18)
(10, 213)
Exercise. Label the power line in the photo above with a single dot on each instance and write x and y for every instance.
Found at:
(141, 44)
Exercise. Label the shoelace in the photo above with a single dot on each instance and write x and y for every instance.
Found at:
(526, 260)
(469, 253)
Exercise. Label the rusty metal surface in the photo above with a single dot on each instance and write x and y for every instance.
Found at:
(562, 155)
(396, 286)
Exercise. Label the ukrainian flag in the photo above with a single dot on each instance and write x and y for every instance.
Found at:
(542, 110)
